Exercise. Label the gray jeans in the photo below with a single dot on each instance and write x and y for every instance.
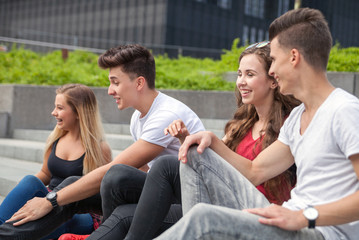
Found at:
(213, 194)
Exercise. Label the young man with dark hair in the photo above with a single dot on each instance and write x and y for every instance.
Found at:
(321, 136)
(132, 84)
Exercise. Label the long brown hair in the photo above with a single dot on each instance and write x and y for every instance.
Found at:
(83, 102)
(246, 116)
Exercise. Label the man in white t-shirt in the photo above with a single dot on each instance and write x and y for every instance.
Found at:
(132, 84)
(321, 136)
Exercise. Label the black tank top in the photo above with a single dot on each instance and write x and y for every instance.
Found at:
(61, 169)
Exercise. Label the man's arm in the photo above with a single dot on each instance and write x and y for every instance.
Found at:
(339, 212)
(136, 155)
(272, 161)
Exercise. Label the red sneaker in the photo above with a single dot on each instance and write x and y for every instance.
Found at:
(70, 236)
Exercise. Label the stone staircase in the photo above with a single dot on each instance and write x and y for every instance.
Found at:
(23, 153)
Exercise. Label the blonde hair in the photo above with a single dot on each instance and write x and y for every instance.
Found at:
(83, 103)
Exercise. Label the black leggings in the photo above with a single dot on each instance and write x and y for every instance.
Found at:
(140, 205)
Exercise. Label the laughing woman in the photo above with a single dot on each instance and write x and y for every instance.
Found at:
(75, 147)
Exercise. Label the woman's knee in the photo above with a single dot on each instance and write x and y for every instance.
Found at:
(31, 183)
(30, 180)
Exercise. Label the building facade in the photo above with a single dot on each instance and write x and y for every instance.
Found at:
(199, 28)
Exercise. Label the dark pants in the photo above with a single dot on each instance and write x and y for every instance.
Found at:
(121, 188)
(44, 226)
(158, 206)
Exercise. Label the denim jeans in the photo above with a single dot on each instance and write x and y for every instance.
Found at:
(46, 225)
(28, 188)
(213, 195)
(156, 194)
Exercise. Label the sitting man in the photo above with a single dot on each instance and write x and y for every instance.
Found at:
(321, 136)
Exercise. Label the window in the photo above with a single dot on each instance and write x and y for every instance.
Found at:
(245, 35)
(254, 8)
(283, 6)
(260, 35)
(253, 35)
(226, 4)
(247, 7)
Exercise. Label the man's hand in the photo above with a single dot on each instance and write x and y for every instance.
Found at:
(281, 217)
(34, 209)
(177, 129)
(203, 139)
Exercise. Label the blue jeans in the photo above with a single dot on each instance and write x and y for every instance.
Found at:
(157, 194)
(213, 195)
(30, 187)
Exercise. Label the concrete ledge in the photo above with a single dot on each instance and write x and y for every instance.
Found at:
(29, 107)
(4, 120)
(343, 80)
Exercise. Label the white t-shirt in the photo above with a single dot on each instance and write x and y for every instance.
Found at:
(324, 172)
(164, 110)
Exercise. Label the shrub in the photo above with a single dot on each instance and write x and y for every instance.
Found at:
(21, 66)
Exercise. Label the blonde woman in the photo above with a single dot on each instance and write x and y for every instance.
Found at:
(75, 147)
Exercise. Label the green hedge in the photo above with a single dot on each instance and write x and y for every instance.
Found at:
(20, 66)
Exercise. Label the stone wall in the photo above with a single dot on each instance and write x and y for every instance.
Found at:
(29, 107)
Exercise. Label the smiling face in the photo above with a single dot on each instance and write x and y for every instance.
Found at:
(122, 88)
(253, 82)
(66, 118)
(281, 67)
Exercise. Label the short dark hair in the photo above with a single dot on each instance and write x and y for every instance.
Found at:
(134, 59)
(306, 30)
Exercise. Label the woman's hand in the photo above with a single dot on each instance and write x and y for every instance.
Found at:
(177, 129)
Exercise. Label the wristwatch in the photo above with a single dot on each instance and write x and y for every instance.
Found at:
(52, 197)
(311, 214)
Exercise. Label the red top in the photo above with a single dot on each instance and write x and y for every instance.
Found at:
(246, 149)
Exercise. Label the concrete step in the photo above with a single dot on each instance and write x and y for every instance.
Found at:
(214, 124)
(116, 141)
(31, 134)
(13, 170)
(209, 124)
(22, 149)
(33, 151)
(28, 144)
(118, 135)
(117, 128)
(41, 135)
